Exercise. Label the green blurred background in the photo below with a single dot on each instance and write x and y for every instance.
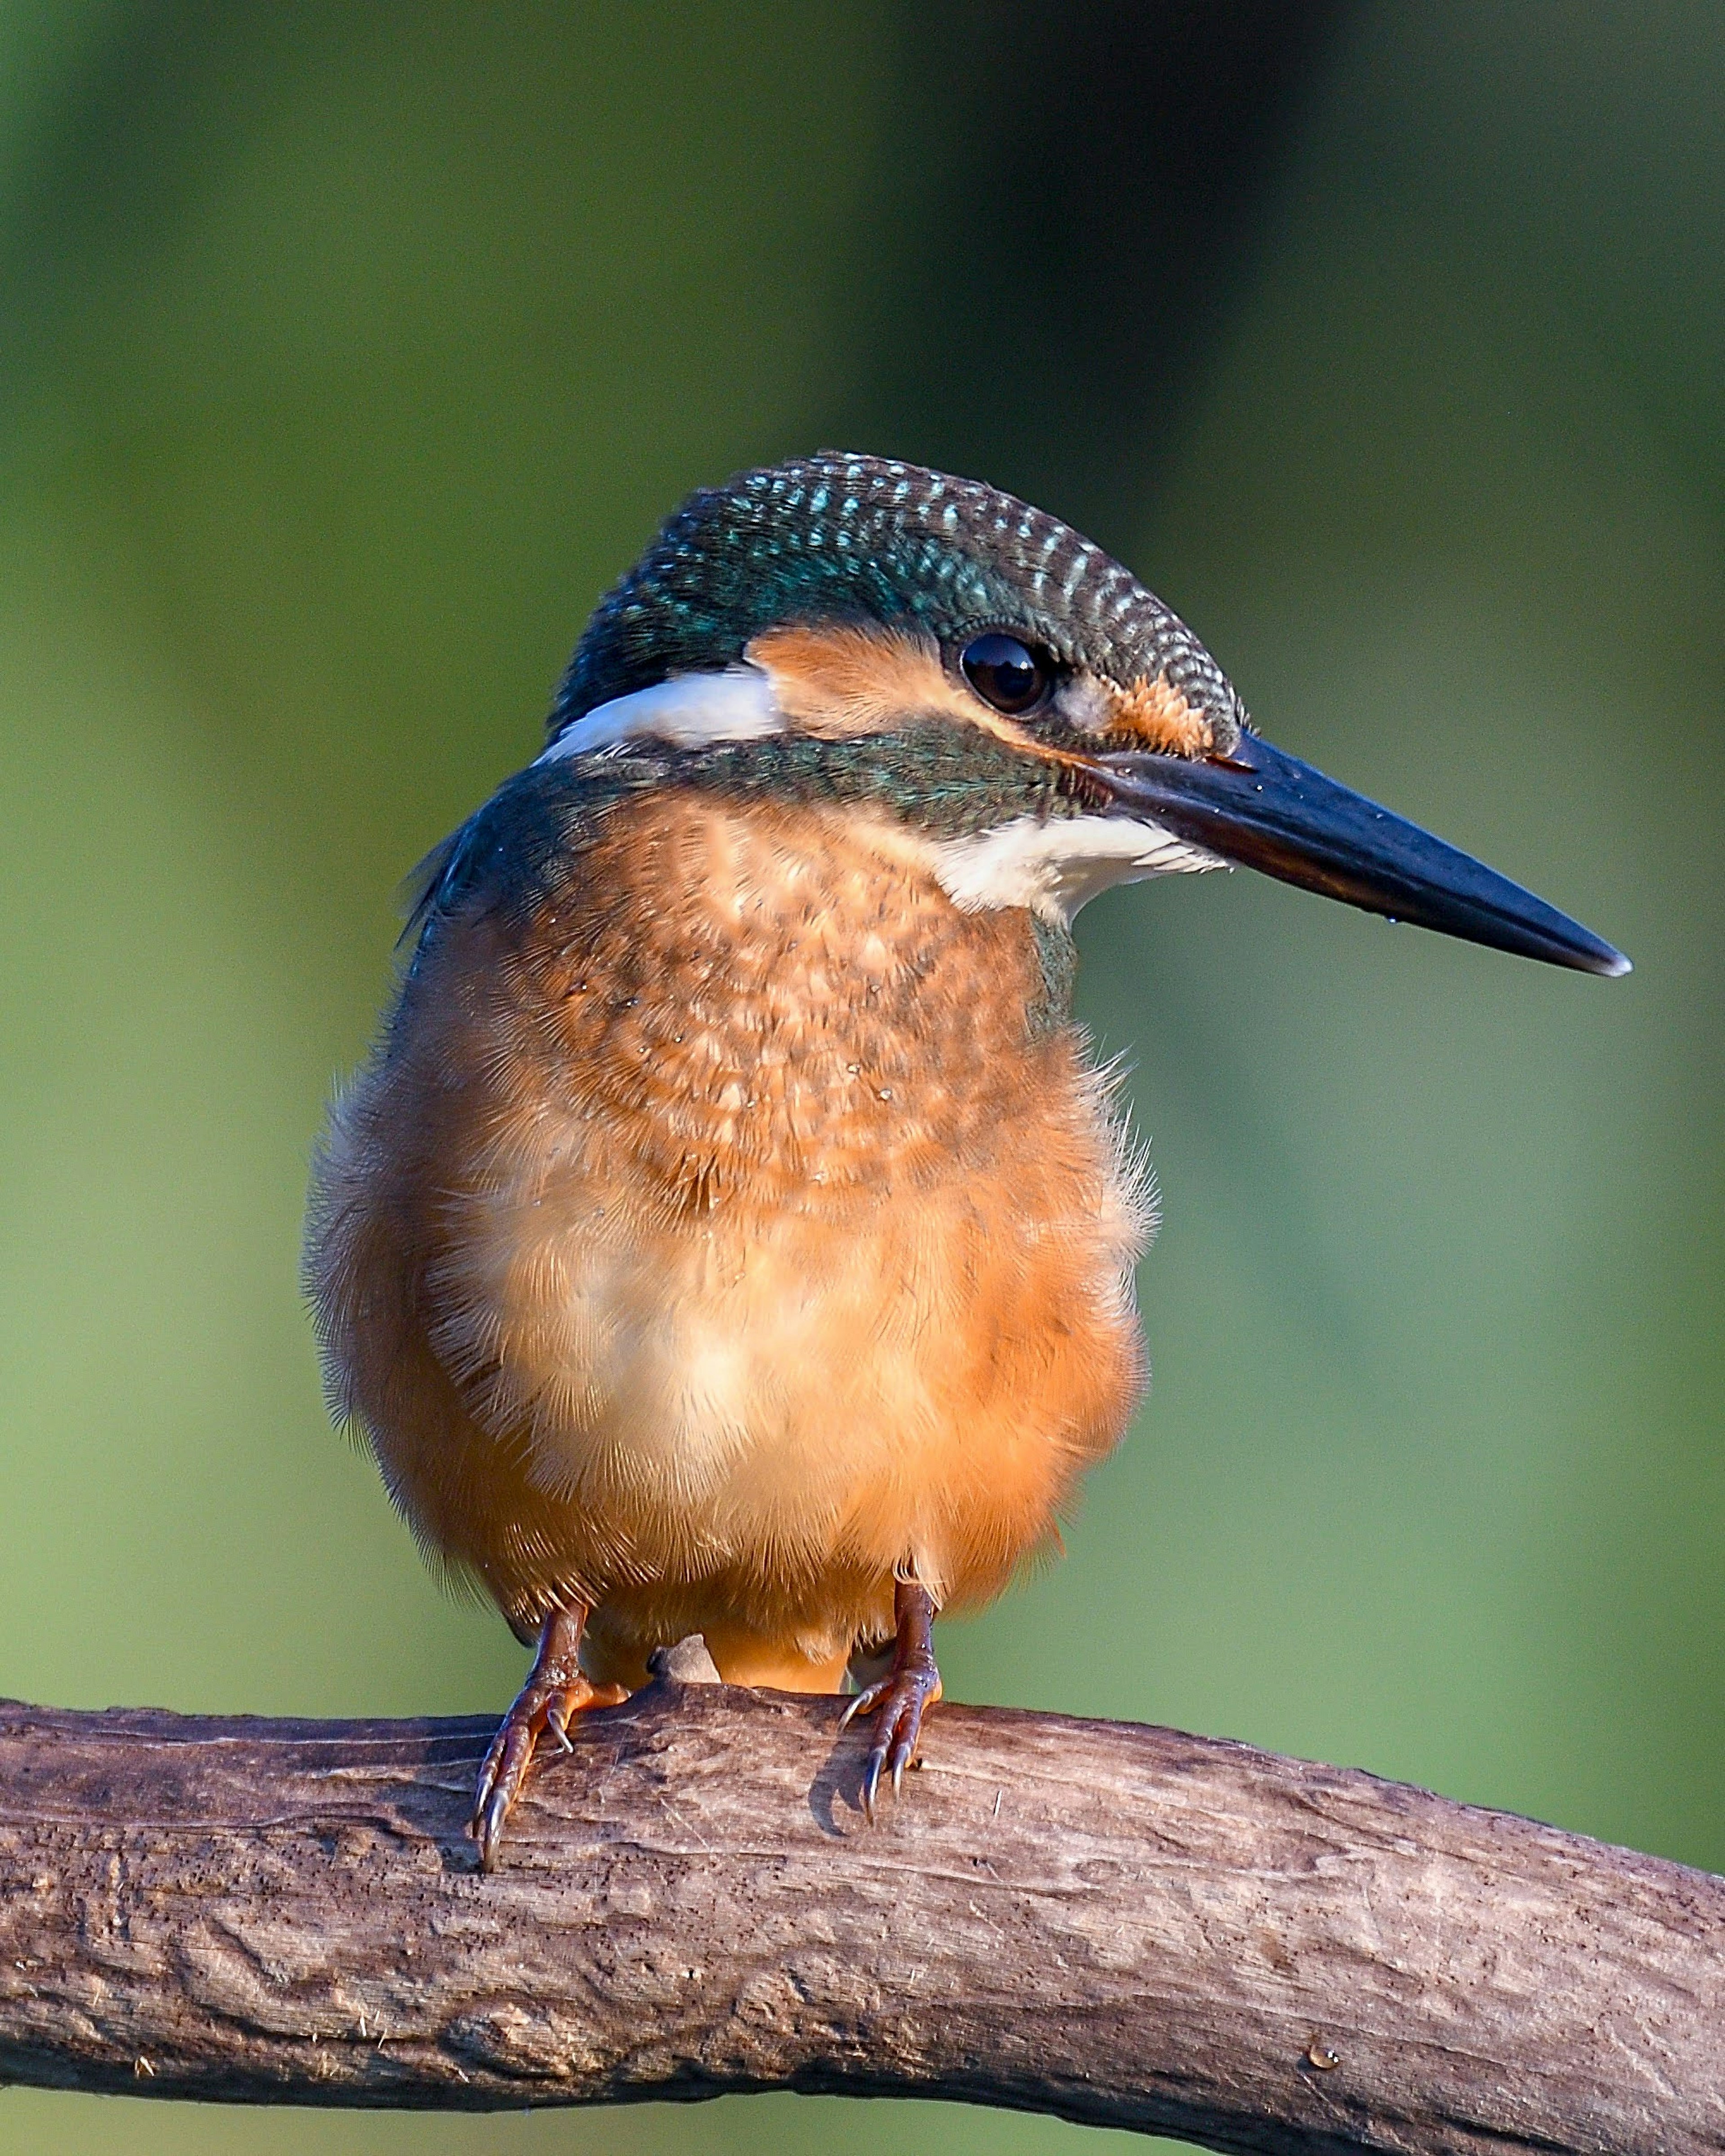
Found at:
(348, 353)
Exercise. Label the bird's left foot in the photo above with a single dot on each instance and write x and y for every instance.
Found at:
(557, 1690)
(902, 1696)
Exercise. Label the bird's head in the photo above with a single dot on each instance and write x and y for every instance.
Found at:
(1031, 718)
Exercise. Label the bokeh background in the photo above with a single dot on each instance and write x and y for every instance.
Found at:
(347, 355)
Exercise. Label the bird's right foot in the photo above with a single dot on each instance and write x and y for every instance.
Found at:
(557, 1690)
(902, 1696)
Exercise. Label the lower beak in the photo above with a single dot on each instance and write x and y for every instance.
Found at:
(1265, 810)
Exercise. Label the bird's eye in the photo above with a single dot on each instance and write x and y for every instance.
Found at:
(1004, 673)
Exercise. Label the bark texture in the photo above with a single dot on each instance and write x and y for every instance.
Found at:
(1121, 1925)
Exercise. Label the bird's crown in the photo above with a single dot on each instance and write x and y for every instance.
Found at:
(864, 547)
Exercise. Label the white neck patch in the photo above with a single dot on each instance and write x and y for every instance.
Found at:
(1055, 864)
(687, 711)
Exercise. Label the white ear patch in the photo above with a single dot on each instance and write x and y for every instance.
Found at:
(1055, 864)
(687, 711)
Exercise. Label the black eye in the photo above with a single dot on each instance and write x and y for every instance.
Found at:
(1005, 673)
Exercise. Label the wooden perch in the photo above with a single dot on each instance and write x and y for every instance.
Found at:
(1120, 1925)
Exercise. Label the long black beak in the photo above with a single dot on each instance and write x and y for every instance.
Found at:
(1269, 811)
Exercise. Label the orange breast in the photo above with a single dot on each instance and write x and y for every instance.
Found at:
(723, 1237)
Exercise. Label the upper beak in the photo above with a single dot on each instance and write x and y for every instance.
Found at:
(1266, 810)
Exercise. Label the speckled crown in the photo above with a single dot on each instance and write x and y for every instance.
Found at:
(835, 536)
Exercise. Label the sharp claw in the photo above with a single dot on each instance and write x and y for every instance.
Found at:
(483, 1789)
(488, 1828)
(898, 1774)
(870, 1784)
(865, 1703)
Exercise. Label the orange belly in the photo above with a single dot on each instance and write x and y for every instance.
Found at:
(726, 1237)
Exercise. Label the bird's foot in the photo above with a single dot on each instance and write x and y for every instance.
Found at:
(555, 1692)
(901, 1698)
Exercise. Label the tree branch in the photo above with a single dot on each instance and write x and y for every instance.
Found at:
(1120, 1925)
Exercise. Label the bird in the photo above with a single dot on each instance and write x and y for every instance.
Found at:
(731, 1231)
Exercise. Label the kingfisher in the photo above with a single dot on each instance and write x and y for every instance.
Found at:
(732, 1232)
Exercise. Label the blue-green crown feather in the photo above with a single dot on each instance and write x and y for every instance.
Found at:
(835, 537)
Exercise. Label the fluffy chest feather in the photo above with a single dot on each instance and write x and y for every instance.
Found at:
(756, 1201)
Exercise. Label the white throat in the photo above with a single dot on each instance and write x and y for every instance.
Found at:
(1055, 864)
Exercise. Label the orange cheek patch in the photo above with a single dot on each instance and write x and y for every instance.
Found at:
(1157, 715)
(840, 680)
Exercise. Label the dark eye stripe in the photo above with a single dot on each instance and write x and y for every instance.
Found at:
(1005, 673)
